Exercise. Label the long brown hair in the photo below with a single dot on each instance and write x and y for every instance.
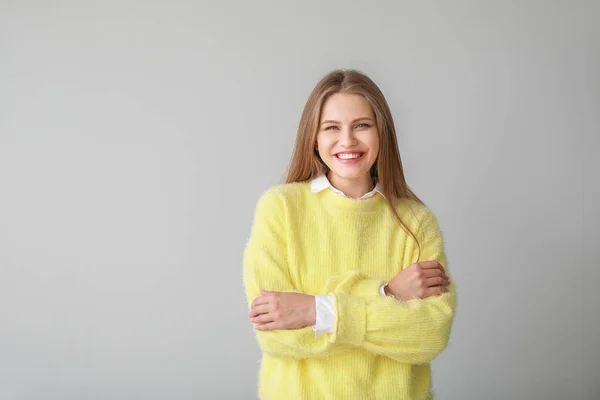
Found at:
(306, 164)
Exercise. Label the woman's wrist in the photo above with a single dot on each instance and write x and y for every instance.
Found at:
(311, 310)
(388, 292)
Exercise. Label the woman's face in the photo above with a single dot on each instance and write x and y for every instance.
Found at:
(348, 140)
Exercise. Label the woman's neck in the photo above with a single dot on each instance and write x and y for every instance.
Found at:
(353, 188)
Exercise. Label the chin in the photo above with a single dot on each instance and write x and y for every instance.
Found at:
(349, 174)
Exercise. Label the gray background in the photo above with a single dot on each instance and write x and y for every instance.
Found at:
(136, 137)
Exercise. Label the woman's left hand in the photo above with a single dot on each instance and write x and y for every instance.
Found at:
(282, 310)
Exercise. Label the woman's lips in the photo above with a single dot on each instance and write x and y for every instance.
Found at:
(351, 160)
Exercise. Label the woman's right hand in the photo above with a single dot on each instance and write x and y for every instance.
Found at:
(419, 280)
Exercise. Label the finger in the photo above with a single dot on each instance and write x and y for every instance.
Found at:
(437, 281)
(263, 319)
(259, 301)
(434, 272)
(431, 264)
(260, 309)
(434, 291)
(266, 327)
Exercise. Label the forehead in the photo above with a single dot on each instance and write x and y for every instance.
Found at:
(342, 107)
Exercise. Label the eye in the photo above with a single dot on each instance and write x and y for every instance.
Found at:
(331, 127)
(363, 125)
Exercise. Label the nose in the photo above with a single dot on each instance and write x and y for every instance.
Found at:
(347, 138)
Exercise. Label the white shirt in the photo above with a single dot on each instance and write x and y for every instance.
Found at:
(325, 309)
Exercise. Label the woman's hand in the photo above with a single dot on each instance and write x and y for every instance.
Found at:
(282, 310)
(419, 280)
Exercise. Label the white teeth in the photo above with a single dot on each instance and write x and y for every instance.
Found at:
(348, 156)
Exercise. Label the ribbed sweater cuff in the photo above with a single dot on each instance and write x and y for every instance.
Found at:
(351, 321)
(367, 288)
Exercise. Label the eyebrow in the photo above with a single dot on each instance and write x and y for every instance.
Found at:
(330, 121)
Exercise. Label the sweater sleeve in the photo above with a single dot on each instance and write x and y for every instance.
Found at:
(265, 267)
(412, 332)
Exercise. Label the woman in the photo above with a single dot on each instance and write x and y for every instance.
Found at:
(344, 270)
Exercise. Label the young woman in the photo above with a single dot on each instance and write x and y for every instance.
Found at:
(345, 270)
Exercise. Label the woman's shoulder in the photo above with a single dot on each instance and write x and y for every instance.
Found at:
(288, 190)
(284, 194)
(414, 213)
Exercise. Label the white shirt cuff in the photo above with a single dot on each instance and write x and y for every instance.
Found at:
(382, 289)
(325, 320)
(325, 311)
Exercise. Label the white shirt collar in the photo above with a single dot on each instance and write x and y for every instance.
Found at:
(321, 183)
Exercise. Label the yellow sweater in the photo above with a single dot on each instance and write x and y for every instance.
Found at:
(326, 244)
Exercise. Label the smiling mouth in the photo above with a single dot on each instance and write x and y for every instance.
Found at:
(349, 156)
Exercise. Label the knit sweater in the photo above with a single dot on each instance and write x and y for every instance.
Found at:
(326, 244)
